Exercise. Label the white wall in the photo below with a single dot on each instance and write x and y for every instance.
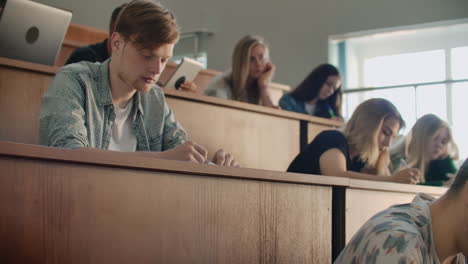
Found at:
(297, 30)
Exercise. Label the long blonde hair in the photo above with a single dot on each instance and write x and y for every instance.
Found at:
(241, 68)
(419, 138)
(362, 130)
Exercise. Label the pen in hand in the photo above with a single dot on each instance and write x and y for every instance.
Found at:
(404, 165)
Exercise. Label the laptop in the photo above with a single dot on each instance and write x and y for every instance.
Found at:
(32, 32)
(187, 70)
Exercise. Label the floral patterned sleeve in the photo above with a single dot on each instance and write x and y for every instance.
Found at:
(384, 247)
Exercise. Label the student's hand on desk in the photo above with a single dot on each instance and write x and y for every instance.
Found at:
(223, 158)
(266, 77)
(408, 175)
(188, 86)
(189, 151)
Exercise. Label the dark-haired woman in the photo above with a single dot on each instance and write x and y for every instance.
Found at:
(319, 94)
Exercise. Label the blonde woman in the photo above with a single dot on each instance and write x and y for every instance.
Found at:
(359, 151)
(429, 147)
(250, 75)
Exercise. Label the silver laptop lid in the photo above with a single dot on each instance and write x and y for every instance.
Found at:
(32, 32)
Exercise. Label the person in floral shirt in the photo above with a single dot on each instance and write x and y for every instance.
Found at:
(427, 230)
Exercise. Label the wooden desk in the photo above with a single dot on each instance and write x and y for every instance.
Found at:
(22, 85)
(260, 137)
(75, 206)
(97, 206)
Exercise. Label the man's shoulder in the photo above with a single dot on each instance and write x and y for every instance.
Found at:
(391, 235)
(408, 217)
(397, 224)
(77, 77)
(154, 96)
(83, 68)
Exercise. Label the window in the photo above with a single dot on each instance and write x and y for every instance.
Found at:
(416, 67)
(460, 122)
(421, 70)
(459, 63)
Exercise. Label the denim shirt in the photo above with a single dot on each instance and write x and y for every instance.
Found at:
(77, 112)
(289, 103)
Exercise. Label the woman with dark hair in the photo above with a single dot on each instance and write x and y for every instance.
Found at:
(319, 94)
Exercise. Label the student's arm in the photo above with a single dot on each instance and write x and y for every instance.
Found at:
(62, 117)
(368, 246)
(173, 133)
(263, 83)
(188, 151)
(265, 99)
(286, 103)
(333, 163)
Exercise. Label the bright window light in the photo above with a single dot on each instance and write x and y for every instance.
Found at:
(431, 99)
(460, 63)
(460, 123)
(427, 66)
(403, 99)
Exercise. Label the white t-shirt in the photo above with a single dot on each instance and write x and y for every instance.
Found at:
(310, 108)
(122, 135)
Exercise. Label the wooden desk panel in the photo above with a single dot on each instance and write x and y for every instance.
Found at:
(20, 102)
(257, 141)
(314, 129)
(64, 212)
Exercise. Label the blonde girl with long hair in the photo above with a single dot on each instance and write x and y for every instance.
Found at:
(359, 150)
(250, 75)
(429, 147)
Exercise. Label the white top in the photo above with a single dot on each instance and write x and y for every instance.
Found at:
(122, 136)
(218, 87)
(310, 108)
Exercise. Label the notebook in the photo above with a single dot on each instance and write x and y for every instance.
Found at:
(186, 70)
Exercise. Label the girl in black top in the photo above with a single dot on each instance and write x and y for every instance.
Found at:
(360, 150)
